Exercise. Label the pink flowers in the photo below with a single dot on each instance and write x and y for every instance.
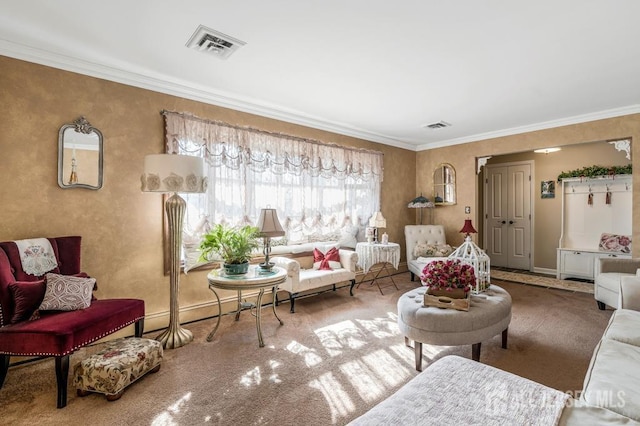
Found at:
(448, 274)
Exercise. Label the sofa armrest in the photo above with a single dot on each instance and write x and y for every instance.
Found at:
(629, 297)
(614, 264)
(348, 259)
(293, 272)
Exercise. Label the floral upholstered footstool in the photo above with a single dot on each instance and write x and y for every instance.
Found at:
(120, 363)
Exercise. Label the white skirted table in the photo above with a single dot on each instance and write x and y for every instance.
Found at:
(370, 254)
(488, 316)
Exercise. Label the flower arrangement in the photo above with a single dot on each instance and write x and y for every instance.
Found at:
(448, 275)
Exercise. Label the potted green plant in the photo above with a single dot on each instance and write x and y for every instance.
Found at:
(233, 245)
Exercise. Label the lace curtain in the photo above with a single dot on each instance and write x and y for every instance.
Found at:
(321, 191)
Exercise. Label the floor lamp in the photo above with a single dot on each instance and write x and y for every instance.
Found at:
(168, 173)
(421, 203)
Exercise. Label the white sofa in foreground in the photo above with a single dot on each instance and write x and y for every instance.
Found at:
(457, 391)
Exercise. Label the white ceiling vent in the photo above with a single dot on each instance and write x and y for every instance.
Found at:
(438, 125)
(216, 43)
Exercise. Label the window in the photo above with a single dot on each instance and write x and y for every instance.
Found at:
(321, 191)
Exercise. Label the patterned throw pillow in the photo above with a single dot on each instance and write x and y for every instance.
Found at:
(67, 293)
(613, 242)
(432, 250)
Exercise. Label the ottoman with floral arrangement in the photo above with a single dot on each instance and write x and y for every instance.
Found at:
(120, 363)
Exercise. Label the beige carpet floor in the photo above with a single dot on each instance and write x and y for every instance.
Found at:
(331, 361)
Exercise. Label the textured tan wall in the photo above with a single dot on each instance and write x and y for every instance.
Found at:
(121, 226)
(463, 158)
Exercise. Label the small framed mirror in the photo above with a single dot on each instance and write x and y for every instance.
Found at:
(80, 155)
(444, 185)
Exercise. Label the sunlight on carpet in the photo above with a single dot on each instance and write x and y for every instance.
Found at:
(310, 356)
(337, 398)
(167, 416)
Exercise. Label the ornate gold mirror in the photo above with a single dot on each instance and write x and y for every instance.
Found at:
(79, 155)
(444, 185)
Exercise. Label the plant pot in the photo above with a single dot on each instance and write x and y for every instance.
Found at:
(236, 268)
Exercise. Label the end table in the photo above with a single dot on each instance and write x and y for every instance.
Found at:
(370, 254)
(252, 280)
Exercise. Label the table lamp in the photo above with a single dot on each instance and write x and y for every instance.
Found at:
(377, 221)
(421, 203)
(172, 173)
(269, 227)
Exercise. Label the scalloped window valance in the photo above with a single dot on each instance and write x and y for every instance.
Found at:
(232, 146)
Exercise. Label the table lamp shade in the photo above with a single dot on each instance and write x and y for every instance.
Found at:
(268, 224)
(173, 173)
(378, 221)
(468, 228)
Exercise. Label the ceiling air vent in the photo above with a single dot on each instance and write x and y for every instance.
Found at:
(213, 42)
(438, 125)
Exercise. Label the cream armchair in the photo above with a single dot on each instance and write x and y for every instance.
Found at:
(629, 293)
(609, 273)
(425, 235)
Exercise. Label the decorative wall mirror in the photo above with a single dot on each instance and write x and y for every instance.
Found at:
(79, 155)
(444, 185)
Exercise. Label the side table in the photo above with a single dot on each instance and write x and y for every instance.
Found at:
(255, 279)
(370, 254)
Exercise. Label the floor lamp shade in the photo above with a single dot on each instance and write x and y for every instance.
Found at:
(174, 173)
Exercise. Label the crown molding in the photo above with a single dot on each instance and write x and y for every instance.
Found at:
(577, 119)
(182, 89)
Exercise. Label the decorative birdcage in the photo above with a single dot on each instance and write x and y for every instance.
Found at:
(473, 255)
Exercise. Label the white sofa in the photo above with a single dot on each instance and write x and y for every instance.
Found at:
(457, 391)
(607, 277)
(432, 235)
(302, 278)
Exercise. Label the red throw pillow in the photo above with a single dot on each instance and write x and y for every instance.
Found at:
(325, 261)
(27, 296)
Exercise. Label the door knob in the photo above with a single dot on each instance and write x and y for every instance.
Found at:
(503, 222)
(511, 222)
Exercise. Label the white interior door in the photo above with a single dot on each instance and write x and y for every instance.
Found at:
(508, 215)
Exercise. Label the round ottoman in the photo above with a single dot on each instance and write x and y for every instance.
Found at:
(489, 314)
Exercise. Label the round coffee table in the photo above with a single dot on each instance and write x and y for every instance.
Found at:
(488, 315)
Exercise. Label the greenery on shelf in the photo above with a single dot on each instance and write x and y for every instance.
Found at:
(596, 171)
(233, 245)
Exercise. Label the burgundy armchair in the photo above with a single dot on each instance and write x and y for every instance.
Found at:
(54, 333)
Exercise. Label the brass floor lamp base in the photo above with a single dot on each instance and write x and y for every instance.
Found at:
(174, 337)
